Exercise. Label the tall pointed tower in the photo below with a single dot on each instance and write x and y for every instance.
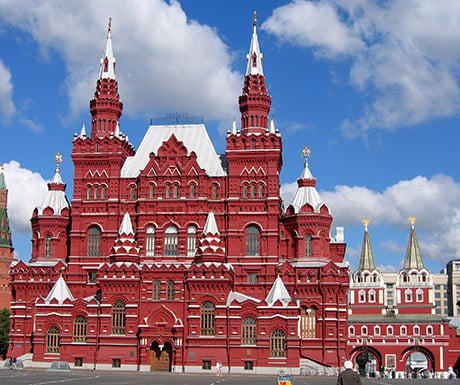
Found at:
(106, 106)
(51, 221)
(254, 164)
(6, 245)
(367, 288)
(98, 160)
(414, 286)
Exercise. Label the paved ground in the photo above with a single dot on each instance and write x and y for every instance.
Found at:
(43, 377)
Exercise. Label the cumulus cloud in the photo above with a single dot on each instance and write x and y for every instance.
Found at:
(435, 202)
(7, 108)
(403, 54)
(26, 190)
(165, 62)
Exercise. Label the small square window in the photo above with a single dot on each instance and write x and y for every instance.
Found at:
(78, 361)
(206, 365)
(116, 363)
(252, 277)
(248, 365)
(91, 278)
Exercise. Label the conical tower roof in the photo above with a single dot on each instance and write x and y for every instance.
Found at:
(278, 292)
(60, 292)
(414, 258)
(367, 256)
(5, 232)
(107, 70)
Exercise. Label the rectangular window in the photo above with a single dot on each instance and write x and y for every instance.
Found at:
(248, 365)
(116, 363)
(252, 277)
(78, 361)
(206, 365)
(91, 277)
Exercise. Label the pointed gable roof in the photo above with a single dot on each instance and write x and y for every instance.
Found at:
(60, 292)
(367, 257)
(193, 136)
(278, 292)
(126, 226)
(107, 70)
(414, 258)
(254, 66)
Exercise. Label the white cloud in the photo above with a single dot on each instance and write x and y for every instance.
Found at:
(403, 54)
(165, 62)
(26, 190)
(435, 202)
(7, 108)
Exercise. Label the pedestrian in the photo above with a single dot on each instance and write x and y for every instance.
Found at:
(219, 369)
(348, 376)
(13, 366)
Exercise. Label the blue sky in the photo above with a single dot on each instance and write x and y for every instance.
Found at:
(372, 87)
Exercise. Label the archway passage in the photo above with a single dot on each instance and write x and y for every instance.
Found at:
(368, 364)
(160, 357)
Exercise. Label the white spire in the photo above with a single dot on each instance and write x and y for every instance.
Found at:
(107, 70)
(126, 226)
(272, 127)
(234, 131)
(83, 131)
(278, 292)
(254, 56)
(210, 226)
(59, 292)
(117, 130)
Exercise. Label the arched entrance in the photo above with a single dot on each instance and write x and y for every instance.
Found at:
(160, 356)
(368, 360)
(418, 362)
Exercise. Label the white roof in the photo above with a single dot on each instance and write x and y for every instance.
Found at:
(278, 292)
(194, 137)
(54, 199)
(60, 292)
(109, 71)
(307, 194)
(126, 226)
(239, 297)
(210, 226)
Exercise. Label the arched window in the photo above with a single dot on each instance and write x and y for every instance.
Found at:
(253, 191)
(252, 241)
(377, 330)
(170, 291)
(151, 190)
(171, 241)
(176, 191)
(191, 241)
(132, 192)
(94, 241)
(261, 191)
(403, 330)
(408, 295)
(89, 193)
(364, 330)
(245, 191)
(103, 192)
(278, 344)
(79, 329)
(389, 330)
(371, 295)
(308, 253)
(53, 340)
(351, 330)
(119, 318)
(48, 246)
(207, 318)
(96, 193)
(192, 190)
(156, 290)
(416, 330)
(214, 191)
(429, 330)
(362, 296)
(419, 295)
(308, 323)
(248, 331)
(150, 241)
(168, 190)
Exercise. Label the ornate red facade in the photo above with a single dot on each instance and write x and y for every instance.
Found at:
(174, 257)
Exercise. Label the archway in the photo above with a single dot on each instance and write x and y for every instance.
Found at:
(160, 356)
(368, 361)
(417, 364)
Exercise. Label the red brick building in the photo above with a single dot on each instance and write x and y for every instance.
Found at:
(173, 257)
(407, 336)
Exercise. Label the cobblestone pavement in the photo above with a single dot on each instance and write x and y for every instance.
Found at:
(44, 377)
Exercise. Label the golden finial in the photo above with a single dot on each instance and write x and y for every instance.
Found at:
(254, 18)
(58, 160)
(110, 24)
(412, 220)
(306, 152)
(366, 222)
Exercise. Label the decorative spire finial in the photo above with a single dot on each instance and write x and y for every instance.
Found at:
(412, 220)
(110, 25)
(306, 153)
(254, 19)
(366, 222)
(58, 160)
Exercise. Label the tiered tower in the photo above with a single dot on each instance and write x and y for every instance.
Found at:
(6, 245)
